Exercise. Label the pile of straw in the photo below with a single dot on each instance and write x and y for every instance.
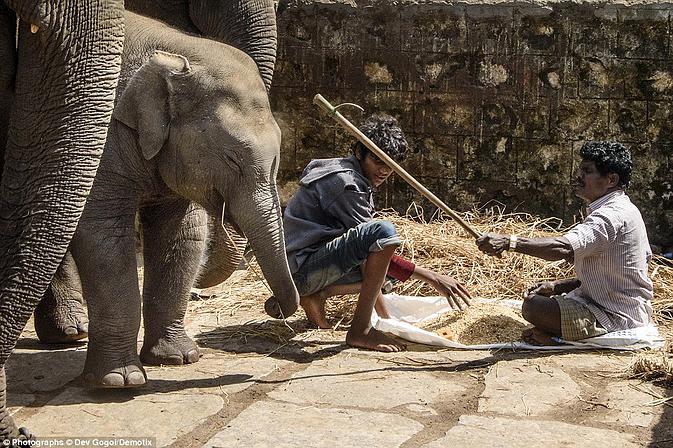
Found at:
(661, 273)
(653, 367)
(443, 246)
(658, 366)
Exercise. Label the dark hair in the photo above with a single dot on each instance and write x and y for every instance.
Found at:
(609, 157)
(386, 133)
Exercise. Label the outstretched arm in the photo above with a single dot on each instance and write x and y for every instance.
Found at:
(554, 248)
(455, 293)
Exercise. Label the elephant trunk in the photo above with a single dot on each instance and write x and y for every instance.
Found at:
(262, 224)
(249, 25)
(7, 72)
(63, 102)
(225, 252)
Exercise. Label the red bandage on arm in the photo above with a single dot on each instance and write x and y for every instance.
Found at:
(400, 269)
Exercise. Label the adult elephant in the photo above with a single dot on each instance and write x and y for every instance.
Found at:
(57, 87)
(192, 137)
(249, 25)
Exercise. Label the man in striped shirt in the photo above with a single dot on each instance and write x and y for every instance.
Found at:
(610, 251)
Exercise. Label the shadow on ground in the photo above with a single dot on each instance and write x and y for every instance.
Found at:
(50, 370)
(295, 341)
(662, 433)
(292, 340)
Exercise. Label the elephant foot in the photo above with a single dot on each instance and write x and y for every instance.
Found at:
(8, 429)
(60, 322)
(170, 351)
(114, 374)
(10, 435)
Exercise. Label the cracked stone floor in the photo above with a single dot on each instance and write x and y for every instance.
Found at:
(249, 389)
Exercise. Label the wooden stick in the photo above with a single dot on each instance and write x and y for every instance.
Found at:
(327, 107)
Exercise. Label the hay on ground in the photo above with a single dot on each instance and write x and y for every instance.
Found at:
(652, 366)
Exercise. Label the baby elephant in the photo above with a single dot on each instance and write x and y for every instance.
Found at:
(192, 140)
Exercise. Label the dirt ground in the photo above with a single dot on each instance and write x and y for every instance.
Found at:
(270, 383)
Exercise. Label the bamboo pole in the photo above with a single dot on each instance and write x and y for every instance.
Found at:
(334, 113)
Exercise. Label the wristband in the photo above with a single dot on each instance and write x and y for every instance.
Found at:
(400, 269)
(512, 243)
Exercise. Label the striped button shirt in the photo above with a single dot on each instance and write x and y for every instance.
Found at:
(611, 257)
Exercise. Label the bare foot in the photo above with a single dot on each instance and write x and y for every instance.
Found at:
(372, 339)
(535, 336)
(314, 307)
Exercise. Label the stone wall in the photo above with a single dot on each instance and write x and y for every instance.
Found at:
(496, 98)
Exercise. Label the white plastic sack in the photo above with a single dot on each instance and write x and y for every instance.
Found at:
(405, 311)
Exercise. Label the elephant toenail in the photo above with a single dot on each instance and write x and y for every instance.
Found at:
(135, 379)
(192, 356)
(112, 379)
(70, 331)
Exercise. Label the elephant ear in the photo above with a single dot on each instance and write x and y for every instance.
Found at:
(145, 104)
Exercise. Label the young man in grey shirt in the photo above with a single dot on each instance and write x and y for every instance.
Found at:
(610, 251)
(335, 246)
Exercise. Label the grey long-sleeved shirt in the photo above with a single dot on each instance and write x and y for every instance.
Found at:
(334, 195)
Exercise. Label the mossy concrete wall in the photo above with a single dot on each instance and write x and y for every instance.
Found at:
(496, 98)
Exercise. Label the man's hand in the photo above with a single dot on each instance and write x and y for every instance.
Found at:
(549, 289)
(493, 244)
(455, 293)
(546, 289)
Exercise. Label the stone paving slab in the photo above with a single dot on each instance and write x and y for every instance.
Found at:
(497, 432)
(279, 425)
(16, 402)
(77, 413)
(626, 405)
(593, 362)
(367, 383)
(321, 393)
(176, 400)
(526, 388)
(215, 373)
(41, 369)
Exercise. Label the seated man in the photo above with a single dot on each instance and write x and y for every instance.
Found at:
(335, 247)
(610, 252)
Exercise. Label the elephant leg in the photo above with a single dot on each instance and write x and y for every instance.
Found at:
(6, 421)
(174, 239)
(63, 101)
(7, 73)
(225, 252)
(104, 250)
(60, 316)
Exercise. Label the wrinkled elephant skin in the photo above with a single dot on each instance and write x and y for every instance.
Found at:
(60, 316)
(52, 148)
